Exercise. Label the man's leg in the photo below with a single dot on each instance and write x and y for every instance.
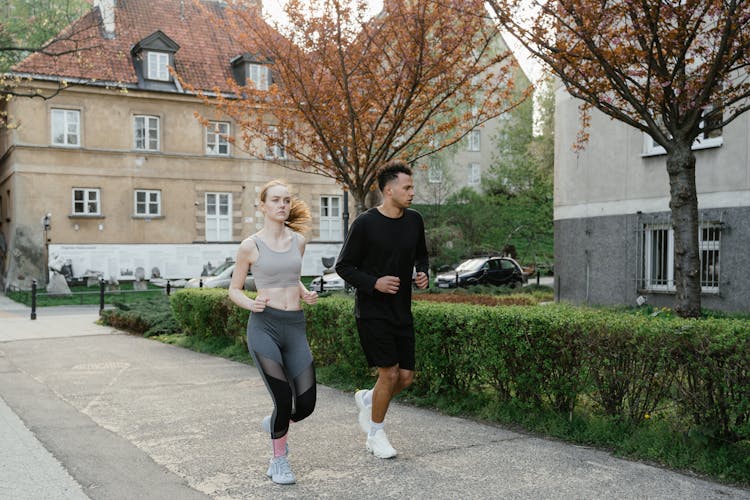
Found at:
(391, 381)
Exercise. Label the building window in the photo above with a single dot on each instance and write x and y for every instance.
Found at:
(158, 66)
(258, 73)
(657, 267)
(475, 140)
(475, 174)
(217, 139)
(146, 132)
(86, 201)
(218, 216)
(331, 222)
(275, 147)
(709, 249)
(147, 203)
(66, 127)
(434, 174)
(712, 139)
(658, 258)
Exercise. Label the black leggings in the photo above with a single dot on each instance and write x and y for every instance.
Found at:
(278, 344)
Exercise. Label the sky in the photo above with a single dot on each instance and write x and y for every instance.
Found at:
(275, 9)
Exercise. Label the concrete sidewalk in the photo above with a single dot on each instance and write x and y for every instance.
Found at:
(127, 417)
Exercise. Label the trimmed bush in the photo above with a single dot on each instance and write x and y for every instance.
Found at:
(553, 357)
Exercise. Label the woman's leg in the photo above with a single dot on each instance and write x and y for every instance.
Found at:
(265, 348)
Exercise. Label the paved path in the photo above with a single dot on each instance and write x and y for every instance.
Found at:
(91, 412)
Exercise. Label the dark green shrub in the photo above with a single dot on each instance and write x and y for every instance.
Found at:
(203, 311)
(147, 317)
(713, 386)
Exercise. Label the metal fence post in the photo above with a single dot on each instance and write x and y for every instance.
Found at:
(101, 295)
(33, 299)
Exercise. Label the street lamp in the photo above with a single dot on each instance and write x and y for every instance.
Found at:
(46, 226)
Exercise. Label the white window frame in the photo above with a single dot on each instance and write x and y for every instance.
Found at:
(71, 127)
(658, 235)
(217, 138)
(475, 140)
(150, 123)
(218, 226)
(157, 66)
(434, 174)
(258, 74)
(652, 148)
(475, 174)
(152, 198)
(331, 218)
(666, 239)
(275, 151)
(87, 199)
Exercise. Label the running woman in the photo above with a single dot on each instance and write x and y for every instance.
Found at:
(276, 336)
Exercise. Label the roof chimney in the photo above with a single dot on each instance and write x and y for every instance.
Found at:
(107, 11)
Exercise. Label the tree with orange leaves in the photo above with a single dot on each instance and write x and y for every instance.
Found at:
(677, 70)
(350, 93)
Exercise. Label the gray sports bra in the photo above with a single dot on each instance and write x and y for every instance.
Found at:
(277, 269)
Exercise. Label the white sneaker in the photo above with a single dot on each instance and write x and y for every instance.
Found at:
(379, 446)
(280, 471)
(365, 412)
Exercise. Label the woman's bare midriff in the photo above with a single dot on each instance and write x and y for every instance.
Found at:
(286, 299)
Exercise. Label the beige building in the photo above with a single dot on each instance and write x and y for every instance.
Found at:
(125, 174)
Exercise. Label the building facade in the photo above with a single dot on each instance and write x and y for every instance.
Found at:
(116, 172)
(613, 236)
(466, 163)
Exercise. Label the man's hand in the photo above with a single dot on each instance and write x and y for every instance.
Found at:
(422, 280)
(387, 284)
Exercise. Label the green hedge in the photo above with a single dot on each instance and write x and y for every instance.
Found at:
(630, 367)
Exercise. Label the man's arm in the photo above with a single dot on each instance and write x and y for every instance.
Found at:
(421, 258)
(349, 262)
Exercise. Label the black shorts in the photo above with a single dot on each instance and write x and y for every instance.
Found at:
(387, 344)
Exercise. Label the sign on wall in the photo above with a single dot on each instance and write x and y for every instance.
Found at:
(167, 261)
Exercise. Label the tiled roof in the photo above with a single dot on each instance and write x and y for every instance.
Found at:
(203, 58)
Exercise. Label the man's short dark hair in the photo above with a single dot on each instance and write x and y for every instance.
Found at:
(390, 172)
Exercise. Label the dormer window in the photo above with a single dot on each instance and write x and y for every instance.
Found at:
(249, 69)
(157, 66)
(152, 58)
(258, 73)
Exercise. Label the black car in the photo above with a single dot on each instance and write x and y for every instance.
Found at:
(483, 271)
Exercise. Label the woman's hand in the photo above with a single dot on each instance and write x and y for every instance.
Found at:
(310, 297)
(259, 304)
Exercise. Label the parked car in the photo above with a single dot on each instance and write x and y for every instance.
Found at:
(483, 271)
(331, 281)
(220, 278)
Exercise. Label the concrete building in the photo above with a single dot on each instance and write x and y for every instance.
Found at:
(613, 236)
(465, 163)
(124, 173)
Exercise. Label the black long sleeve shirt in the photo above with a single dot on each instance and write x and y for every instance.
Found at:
(379, 246)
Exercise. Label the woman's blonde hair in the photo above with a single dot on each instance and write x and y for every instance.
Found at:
(299, 215)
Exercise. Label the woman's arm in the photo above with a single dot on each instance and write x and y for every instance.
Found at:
(246, 256)
(306, 295)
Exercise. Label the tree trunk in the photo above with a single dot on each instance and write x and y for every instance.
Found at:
(684, 206)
